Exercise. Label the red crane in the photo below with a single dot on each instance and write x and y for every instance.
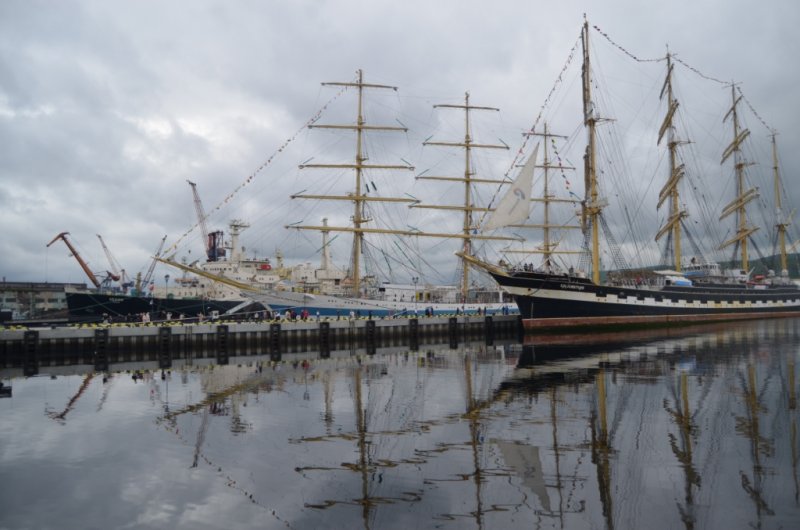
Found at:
(84, 265)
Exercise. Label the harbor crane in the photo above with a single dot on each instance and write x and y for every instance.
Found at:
(85, 266)
(213, 241)
(118, 273)
(149, 274)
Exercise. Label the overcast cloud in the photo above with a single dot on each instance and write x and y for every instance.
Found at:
(108, 107)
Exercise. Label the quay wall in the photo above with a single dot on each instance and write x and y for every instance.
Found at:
(104, 345)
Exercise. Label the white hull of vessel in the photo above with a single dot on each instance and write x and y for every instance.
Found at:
(327, 305)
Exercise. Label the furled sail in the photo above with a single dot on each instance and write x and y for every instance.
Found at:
(515, 206)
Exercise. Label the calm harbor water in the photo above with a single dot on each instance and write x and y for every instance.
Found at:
(694, 428)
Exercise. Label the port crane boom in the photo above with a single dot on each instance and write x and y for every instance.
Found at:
(149, 274)
(117, 273)
(85, 266)
(212, 241)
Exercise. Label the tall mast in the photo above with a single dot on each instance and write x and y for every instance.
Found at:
(468, 208)
(676, 172)
(743, 196)
(782, 221)
(592, 208)
(358, 197)
(548, 247)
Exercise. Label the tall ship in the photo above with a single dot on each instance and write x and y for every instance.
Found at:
(329, 290)
(684, 286)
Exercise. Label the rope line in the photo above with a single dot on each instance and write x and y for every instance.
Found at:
(626, 52)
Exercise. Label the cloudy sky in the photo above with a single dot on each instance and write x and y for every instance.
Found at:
(108, 107)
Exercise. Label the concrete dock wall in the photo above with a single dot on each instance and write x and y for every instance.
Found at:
(104, 345)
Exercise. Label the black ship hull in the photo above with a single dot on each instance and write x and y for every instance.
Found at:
(88, 306)
(541, 296)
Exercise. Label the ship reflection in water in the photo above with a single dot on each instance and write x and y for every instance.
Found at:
(695, 428)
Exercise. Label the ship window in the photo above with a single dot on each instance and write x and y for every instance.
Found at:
(622, 296)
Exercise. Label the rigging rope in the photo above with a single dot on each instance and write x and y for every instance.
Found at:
(626, 52)
(698, 72)
(586, 255)
(616, 252)
(764, 123)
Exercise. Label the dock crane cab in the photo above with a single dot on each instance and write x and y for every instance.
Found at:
(213, 241)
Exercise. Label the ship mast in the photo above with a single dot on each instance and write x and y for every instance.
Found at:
(782, 221)
(359, 198)
(593, 207)
(548, 247)
(743, 197)
(676, 171)
(468, 179)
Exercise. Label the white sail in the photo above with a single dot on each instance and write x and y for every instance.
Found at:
(515, 206)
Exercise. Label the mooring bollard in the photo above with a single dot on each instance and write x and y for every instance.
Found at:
(30, 360)
(275, 342)
(164, 347)
(413, 334)
(488, 330)
(452, 328)
(222, 344)
(324, 340)
(101, 350)
(370, 337)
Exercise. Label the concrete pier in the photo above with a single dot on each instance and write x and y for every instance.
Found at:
(103, 345)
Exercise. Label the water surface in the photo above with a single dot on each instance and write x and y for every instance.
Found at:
(688, 429)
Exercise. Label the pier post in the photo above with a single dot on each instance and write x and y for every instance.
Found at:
(324, 340)
(488, 330)
(188, 345)
(370, 337)
(453, 332)
(222, 344)
(164, 347)
(275, 342)
(413, 334)
(101, 350)
(30, 361)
